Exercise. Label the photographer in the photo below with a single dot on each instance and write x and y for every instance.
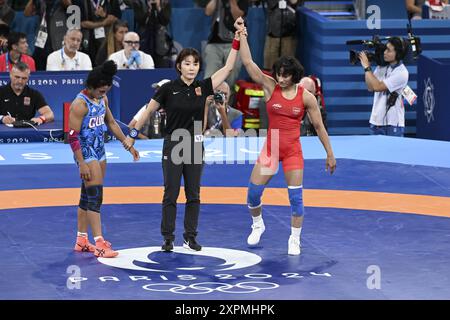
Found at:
(220, 116)
(281, 23)
(388, 111)
(152, 18)
(223, 13)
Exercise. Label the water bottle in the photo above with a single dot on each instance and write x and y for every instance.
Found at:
(156, 122)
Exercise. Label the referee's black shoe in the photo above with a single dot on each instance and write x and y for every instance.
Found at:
(192, 244)
(167, 245)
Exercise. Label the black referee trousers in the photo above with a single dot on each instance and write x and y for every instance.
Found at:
(191, 173)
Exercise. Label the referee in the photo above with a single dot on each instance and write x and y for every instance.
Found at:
(184, 102)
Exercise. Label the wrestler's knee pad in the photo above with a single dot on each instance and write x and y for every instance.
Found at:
(83, 205)
(95, 197)
(296, 200)
(254, 194)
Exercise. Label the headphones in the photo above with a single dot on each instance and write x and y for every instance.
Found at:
(400, 46)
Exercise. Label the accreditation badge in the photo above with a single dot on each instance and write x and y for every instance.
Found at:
(409, 95)
(198, 91)
(26, 101)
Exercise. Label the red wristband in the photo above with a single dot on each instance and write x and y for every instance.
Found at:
(42, 118)
(236, 44)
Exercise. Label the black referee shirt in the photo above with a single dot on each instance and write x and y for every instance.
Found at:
(184, 104)
(23, 106)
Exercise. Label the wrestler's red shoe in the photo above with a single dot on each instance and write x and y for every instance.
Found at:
(103, 249)
(83, 245)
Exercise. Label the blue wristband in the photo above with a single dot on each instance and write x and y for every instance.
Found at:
(134, 133)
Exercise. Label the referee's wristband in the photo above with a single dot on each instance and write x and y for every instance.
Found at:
(367, 69)
(134, 133)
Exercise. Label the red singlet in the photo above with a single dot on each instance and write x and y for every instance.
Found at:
(285, 118)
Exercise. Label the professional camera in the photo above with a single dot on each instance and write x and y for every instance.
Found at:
(411, 44)
(219, 97)
(377, 56)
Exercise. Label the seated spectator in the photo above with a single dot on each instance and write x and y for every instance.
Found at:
(7, 14)
(414, 7)
(154, 127)
(20, 102)
(17, 51)
(221, 117)
(113, 41)
(131, 57)
(4, 32)
(68, 57)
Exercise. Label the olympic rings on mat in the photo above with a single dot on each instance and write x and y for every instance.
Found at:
(209, 287)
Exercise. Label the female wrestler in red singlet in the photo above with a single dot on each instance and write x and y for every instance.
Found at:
(286, 103)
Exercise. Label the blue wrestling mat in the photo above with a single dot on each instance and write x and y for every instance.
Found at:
(376, 229)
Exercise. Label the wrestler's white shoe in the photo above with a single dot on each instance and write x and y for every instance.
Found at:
(257, 230)
(294, 246)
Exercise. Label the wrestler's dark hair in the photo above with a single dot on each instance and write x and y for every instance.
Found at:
(186, 52)
(288, 66)
(101, 75)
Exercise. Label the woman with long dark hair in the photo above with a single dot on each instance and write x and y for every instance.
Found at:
(286, 103)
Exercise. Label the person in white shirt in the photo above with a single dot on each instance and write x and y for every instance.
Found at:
(388, 82)
(68, 58)
(131, 57)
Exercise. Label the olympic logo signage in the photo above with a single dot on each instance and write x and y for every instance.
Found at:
(133, 259)
(429, 100)
(186, 272)
(210, 287)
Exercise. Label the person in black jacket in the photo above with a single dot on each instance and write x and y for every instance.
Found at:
(184, 102)
(152, 18)
(281, 21)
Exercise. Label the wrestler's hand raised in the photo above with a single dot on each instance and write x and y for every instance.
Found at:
(239, 24)
(240, 33)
